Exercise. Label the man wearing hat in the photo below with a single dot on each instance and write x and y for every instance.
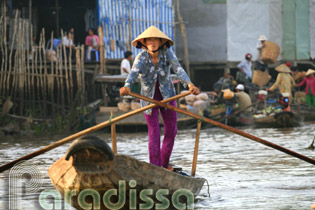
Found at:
(284, 81)
(243, 98)
(309, 79)
(259, 64)
(153, 65)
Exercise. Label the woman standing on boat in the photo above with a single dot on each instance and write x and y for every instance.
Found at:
(284, 82)
(309, 79)
(153, 65)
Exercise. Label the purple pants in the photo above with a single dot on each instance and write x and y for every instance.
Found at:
(160, 156)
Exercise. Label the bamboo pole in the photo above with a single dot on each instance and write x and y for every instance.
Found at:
(21, 68)
(85, 132)
(113, 134)
(11, 52)
(83, 102)
(28, 67)
(33, 78)
(46, 84)
(41, 77)
(70, 74)
(194, 165)
(2, 72)
(226, 127)
(52, 84)
(66, 94)
(16, 63)
(102, 48)
(5, 43)
(60, 80)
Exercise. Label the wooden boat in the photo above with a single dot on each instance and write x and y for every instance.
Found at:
(90, 168)
(307, 113)
(279, 120)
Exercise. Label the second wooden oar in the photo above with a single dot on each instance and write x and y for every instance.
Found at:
(226, 127)
(85, 132)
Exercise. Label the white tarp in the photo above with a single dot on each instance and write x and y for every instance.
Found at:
(246, 20)
(312, 28)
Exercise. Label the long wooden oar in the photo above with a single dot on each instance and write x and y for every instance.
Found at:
(85, 132)
(231, 129)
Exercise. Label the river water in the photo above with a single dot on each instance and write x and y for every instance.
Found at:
(241, 173)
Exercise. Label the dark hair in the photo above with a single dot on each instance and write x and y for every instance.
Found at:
(91, 30)
(127, 54)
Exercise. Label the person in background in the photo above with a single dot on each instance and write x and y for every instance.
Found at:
(125, 64)
(225, 82)
(309, 79)
(67, 40)
(244, 74)
(71, 34)
(154, 66)
(243, 98)
(284, 81)
(92, 43)
(259, 64)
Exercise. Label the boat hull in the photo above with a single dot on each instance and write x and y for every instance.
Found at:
(123, 171)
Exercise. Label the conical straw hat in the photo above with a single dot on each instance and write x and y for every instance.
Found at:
(152, 32)
(309, 72)
(283, 69)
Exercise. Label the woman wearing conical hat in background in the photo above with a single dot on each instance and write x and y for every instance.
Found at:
(153, 65)
(284, 82)
(309, 79)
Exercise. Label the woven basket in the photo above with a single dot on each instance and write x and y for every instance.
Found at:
(260, 78)
(299, 76)
(215, 111)
(270, 52)
(300, 97)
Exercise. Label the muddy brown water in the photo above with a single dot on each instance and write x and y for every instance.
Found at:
(241, 173)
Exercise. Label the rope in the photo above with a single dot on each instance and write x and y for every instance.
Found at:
(202, 117)
(110, 119)
(208, 188)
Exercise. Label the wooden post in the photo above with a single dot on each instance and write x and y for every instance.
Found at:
(113, 133)
(194, 166)
(102, 48)
(184, 37)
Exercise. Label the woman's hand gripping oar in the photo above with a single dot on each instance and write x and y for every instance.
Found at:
(231, 129)
(85, 132)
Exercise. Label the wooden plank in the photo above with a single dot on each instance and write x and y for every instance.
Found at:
(108, 109)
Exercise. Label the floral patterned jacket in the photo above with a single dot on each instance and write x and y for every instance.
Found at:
(143, 66)
(285, 83)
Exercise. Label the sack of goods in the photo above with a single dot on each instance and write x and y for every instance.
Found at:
(51, 55)
(123, 106)
(196, 100)
(190, 99)
(270, 52)
(228, 94)
(135, 105)
(199, 103)
(202, 97)
(260, 78)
